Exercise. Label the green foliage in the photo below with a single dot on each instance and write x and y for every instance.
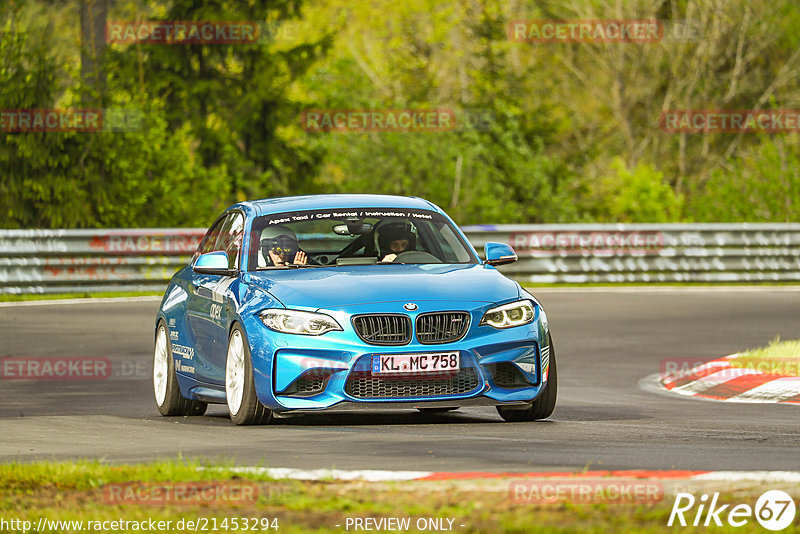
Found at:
(209, 133)
(761, 185)
(233, 98)
(221, 123)
(510, 182)
(636, 195)
(102, 178)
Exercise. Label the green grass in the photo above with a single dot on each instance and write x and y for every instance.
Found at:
(78, 491)
(780, 357)
(84, 475)
(4, 297)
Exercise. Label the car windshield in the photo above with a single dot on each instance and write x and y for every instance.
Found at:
(355, 236)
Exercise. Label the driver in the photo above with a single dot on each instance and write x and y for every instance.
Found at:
(279, 244)
(394, 239)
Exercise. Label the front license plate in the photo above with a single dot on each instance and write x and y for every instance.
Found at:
(385, 364)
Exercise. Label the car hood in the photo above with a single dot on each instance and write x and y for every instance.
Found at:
(334, 287)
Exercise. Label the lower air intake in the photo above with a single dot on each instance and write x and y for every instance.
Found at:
(363, 385)
(506, 375)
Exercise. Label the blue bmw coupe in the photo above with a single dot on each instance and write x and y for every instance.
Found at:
(342, 302)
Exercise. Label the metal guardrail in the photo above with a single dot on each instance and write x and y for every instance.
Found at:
(74, 261)
(615, 253)
(57, 261)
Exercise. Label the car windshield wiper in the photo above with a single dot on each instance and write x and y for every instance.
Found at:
(301, 265)
(288, 266)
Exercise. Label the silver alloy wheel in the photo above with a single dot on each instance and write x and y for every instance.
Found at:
(234, 373)
(160, 366)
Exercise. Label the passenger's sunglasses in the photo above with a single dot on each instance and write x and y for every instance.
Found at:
(283, 245)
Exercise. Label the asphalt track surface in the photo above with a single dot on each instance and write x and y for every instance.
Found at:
(607, 341)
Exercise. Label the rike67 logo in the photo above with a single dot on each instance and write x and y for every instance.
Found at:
(774, 510)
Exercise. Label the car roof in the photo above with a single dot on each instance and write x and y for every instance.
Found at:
(309, 202)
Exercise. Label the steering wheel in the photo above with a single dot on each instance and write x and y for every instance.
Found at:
(416, 256)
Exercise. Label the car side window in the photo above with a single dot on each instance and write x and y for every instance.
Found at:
(230, 238)
(209, 241)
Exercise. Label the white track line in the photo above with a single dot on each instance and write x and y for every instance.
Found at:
(368, 475)
(57, 302)
(755, 476)
(662, 289)
(603, 289)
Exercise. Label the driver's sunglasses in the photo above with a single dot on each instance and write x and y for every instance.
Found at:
(283, 245)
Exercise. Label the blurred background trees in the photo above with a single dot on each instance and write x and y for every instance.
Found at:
(572, 133)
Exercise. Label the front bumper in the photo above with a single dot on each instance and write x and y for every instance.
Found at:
(348, 406)
(296, 373)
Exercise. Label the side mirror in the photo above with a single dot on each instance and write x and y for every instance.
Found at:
(499, 254)
(213, 263)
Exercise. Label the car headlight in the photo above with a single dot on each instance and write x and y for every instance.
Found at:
(508, 315)
(299, 322)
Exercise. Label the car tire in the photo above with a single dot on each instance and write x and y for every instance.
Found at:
(165, 383)
(240, 389)
(543, 406)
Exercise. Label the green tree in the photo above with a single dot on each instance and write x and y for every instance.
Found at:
(761, 185)
(453, 56)
(233, 97)
(89, 178)
(636, 195)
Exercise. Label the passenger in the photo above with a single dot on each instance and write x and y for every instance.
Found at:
(279, 245)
